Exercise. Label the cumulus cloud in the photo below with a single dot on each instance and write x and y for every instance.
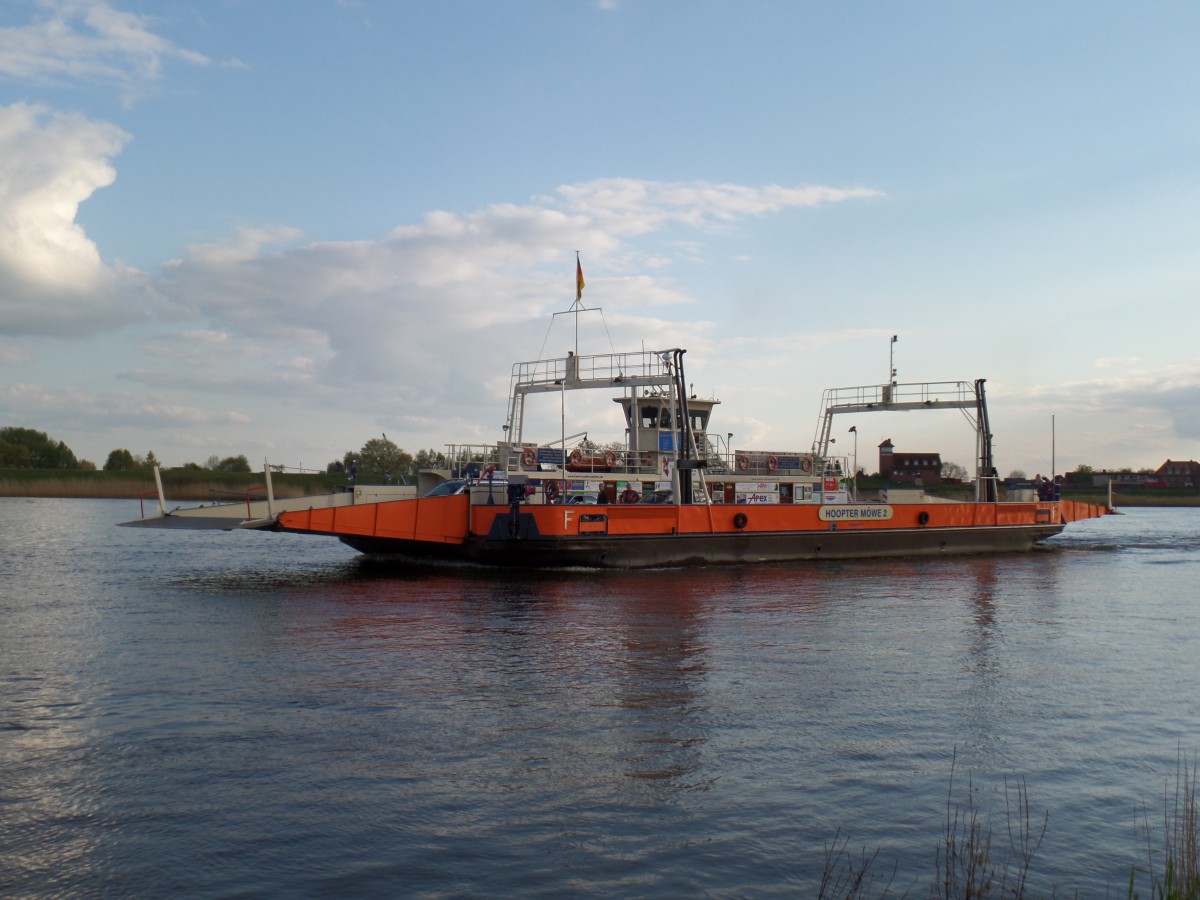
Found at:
(88, 41)
(1166, 394)
(403, 327)
(393, 310)
(73, 406)
(12, 354)
(1155, 407)
(52, 279)
(628, 206)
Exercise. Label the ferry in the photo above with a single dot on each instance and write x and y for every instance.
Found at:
(673, 493)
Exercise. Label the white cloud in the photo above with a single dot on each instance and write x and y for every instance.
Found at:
(68, 407)
(627, 206)
(1138, 418)
(52, 279)
(1165, 395)
(11, 354)
(88, 41)
(418, 327)
(430, 317)
(454, 273)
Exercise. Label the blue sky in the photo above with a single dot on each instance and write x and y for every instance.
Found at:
(283, 228)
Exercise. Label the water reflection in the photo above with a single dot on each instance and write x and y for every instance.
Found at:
(212, 716)
(619, 656)
(661, 685)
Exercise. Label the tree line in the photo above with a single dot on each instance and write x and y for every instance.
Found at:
(24, 448)
(27, 448)
(378, 460)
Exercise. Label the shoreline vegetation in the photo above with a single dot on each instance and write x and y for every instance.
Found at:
(975, 860)
(205, 486)
(178, 484)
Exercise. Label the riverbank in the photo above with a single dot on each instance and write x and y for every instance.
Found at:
(203, 485)
(178, 484)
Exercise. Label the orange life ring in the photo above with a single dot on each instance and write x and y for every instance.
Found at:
(772, 463)
(743, 463)
(805, 464)
(576, 456)
(529, 457)
(610, 458)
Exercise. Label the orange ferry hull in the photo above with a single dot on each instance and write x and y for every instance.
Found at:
(640, 536)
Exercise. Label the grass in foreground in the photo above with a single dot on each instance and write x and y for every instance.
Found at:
(968, 866)
(1180, 871)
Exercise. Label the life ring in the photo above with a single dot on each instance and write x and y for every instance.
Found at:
(743, 463)
(772, 463)
(923, 517)
(576, 456)
(805, 464)
(610, 458)
(740, 520)
(529, 457)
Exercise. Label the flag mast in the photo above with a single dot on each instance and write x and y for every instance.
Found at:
(578, 305)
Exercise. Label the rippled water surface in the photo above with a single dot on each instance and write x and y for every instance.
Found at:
(207, 714)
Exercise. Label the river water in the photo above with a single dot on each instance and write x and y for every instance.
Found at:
(212, 714)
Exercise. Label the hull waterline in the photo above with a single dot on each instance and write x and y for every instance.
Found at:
(662, 551)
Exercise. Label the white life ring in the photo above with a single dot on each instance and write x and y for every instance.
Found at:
(529, 457)
(772, 463)
(743, 463)
(805, 464)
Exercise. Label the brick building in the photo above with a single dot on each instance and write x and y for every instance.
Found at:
(1178, 474)
(922, 468)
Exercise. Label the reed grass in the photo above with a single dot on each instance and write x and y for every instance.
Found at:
(132, 490)
(968, 865)
(178, 484)
(1180, 854)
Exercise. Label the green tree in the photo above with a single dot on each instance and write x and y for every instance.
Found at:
(1081, 475)
(429, 459)
(237, 463)
(43, 452)
(952, 471)
(119, 461)
(13, 456)
(380, 460)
